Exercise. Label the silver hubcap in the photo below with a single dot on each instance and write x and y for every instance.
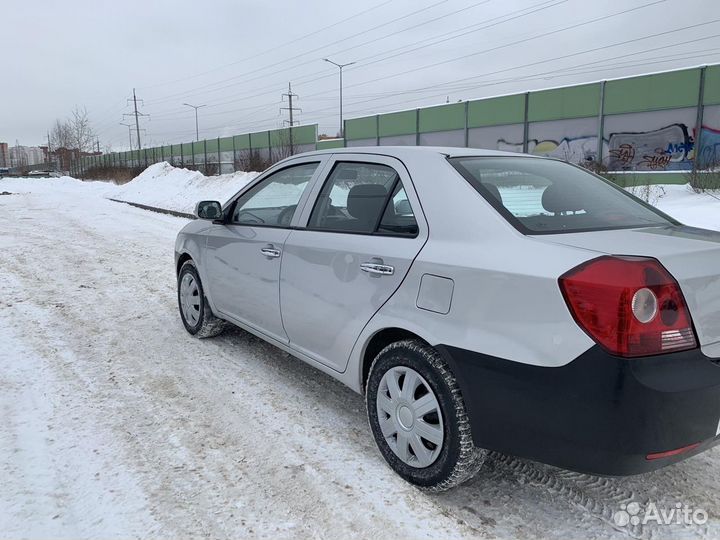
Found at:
(410, 417)
(190, 299)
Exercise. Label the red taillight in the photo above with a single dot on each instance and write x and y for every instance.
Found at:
(631, 306)
(671, 453)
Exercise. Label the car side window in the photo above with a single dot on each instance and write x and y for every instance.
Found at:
(272, 203)
(363, 198)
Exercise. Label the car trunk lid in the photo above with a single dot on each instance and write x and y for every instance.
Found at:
(691, 255)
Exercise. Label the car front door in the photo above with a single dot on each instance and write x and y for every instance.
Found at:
(244, 253)
(358, 235)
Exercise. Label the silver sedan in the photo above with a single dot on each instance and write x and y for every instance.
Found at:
(479, 300)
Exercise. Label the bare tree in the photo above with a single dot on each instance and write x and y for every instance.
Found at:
(61, 135)
(251, 160)
(640, 185)
(75, 133)
(83, 136)
(285, 146)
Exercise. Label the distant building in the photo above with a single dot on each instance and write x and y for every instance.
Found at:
(66, 157)
(4, 155)
(38, 157)
(21, 156)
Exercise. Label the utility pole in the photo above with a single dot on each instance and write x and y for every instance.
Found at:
(340, 66)
(137, 121)
(137, 116)
(196, 107)
(129, 126)
(290, 107)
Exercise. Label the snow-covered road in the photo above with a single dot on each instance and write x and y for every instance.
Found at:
(115, 423)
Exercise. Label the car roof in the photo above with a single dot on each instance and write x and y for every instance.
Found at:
(401, 152)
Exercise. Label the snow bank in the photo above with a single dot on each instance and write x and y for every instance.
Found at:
(64, 184)
(163, 186)
(160, 185)
(695, 209)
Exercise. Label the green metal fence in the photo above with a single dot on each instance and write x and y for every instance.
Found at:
(665, 123)
(661, 123)
(214, 156)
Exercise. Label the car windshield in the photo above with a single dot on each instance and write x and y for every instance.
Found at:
(544, 196)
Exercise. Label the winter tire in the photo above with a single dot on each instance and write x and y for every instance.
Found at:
(418, 417)
(194, 309)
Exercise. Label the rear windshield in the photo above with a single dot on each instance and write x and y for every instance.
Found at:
(544, 196)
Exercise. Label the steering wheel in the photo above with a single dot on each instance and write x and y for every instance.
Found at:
(286, 214)
(257, 219)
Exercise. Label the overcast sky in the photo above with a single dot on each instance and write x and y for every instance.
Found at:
(237, 57)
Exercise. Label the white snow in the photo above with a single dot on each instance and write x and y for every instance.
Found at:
(115, 423)
(164, 186)
(65, 185)
(696, 209)
(161, 186)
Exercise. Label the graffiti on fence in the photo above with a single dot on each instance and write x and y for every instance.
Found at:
(708, 154)
(668, 148)
(624, 154)
(575, 150)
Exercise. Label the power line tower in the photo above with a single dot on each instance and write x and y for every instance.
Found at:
(290, 107)
(137, 116)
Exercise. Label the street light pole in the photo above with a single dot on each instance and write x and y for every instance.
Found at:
(129, 126)
(196, 107)
(340, 66)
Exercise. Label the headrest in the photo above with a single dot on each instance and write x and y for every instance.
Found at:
(562, 198)
(403, 208)
(494, 191)
(365, 201)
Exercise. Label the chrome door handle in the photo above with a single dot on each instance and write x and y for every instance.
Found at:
(374, 268)
(270, 252)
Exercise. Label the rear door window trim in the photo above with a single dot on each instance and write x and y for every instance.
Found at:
(374, 232)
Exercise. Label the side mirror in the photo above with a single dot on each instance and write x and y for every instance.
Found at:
(208, 210)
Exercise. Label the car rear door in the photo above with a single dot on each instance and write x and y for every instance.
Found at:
(358, 235)
(244, 254)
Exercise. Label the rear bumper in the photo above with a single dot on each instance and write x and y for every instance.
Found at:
(598, 414)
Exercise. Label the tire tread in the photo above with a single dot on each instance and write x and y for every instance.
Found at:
(210, 325)
(470, 458)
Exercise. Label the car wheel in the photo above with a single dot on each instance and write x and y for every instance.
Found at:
(194, 309)
(418, 417)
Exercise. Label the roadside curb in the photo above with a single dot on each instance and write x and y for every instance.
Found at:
(155, 209)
